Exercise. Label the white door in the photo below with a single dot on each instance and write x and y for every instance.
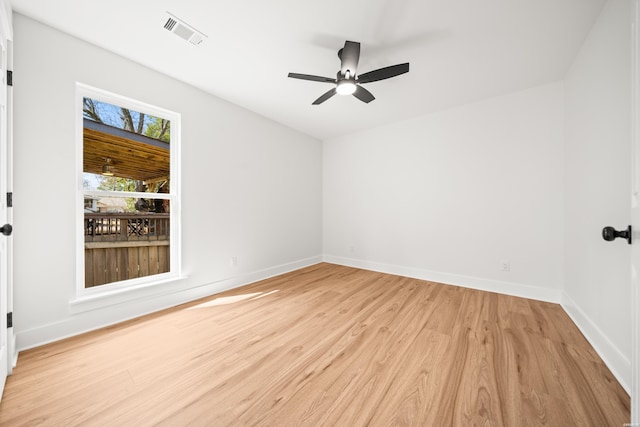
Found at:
(5, 165)
(635, 214)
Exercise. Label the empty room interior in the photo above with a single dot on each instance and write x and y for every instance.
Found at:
(280, 213)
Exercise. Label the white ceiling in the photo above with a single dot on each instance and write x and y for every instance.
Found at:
(460, 51)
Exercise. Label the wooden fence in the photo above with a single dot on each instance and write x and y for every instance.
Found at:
(124, 246)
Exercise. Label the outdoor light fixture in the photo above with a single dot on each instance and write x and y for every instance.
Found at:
(106, 168)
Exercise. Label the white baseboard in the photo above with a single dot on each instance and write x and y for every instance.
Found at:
(615, 360)
(507, 288)
(13, 355)
(99, 318)
(618, 364)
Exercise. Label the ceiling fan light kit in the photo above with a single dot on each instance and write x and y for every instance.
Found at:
(347, 82)
(345, 87)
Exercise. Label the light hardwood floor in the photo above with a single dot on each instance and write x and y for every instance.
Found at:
(325, 345)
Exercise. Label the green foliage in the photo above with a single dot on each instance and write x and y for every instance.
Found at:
(158, 128)
(114, 183)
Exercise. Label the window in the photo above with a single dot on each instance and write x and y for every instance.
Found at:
(128, 193)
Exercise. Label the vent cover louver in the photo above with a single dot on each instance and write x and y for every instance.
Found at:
(183, 30)
(170, 23)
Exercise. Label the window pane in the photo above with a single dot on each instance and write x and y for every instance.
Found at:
(123, 149)
(126, 172)
(121, 242)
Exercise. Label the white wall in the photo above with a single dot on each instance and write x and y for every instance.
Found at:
(448, 196)
(251, 188)
(597, 187)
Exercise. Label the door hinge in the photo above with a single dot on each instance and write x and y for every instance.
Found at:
(10, 319)
(10, 199)
(9, 78)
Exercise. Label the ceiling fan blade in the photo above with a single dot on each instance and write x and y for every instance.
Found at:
(363, 95)
(349, 57)
(325, 96)
(383, 73)
(312, 78)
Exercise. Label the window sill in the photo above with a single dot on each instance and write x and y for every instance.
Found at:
(109, 297)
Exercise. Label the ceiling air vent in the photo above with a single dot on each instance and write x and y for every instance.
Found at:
(183, 30)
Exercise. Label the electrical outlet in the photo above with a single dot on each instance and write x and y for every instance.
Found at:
(234, 261)
(505, 265)
(352, 249)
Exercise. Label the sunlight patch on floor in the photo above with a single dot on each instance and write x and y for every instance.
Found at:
(232, 299)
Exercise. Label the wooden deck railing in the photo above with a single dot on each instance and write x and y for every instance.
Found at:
(121, 246)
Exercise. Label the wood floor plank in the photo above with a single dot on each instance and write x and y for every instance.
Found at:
(325, 345)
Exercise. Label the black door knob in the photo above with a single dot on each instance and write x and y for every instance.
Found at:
(6, 229)
(609, 234)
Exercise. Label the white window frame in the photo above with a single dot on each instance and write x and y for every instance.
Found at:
(115, 288)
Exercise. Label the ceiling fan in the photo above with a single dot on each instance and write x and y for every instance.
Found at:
(347, 82)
